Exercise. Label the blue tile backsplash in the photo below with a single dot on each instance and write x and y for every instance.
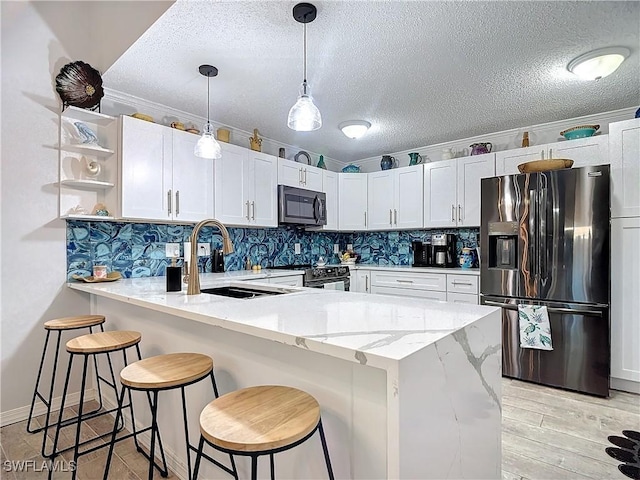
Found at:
(138, 249)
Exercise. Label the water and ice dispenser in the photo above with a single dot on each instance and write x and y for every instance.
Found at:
(503, 245)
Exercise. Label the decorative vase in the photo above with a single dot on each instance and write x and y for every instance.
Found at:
(321, 163)
(255, 141)
(467, 258)
(388, 162)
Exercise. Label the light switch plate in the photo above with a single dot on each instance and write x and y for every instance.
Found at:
(349, 246)
(187, 251)
(296, 248)
(336, 248)
(204, 249)
(171, 250)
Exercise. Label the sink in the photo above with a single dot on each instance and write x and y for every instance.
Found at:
(243, 292)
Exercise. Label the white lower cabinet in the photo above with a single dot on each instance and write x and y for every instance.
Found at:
(410, 292)
(625, 301)
(291, 280)
(462, 298)
(413, 280)
(362, 282)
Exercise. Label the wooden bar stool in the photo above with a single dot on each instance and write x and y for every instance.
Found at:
(58, 326)
(92, 345)
(155, 374)
(261, 420)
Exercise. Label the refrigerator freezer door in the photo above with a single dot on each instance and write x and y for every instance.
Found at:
(573, 235)
(580, 357)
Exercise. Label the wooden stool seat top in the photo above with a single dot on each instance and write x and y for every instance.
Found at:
(259, 418)
(103, 342)
(166, 371)
(71, 323)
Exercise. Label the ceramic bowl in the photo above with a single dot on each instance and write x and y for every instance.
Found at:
(581, 131)
(351, 169)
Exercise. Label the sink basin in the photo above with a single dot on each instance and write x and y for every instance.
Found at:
(243, 292)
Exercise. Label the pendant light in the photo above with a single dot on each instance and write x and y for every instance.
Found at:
(304, 116)
(207, 146)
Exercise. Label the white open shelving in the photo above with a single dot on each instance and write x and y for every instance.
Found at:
(87, 184)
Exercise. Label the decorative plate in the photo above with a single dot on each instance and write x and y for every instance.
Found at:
(545, 165)
(580, 131)
(79, 85)
(111, 277)
(142, 116)
(351, 168)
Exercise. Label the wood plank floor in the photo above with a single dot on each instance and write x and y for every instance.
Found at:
(547, 434)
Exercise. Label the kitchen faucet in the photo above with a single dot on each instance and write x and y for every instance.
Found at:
(193, 287)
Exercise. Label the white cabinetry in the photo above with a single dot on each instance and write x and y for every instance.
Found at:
(462, 289)
(624, 144)
(362, 282)
(625, 301)
(330, 188)
(452, 190)
(291, 280)
(583, 151)
(395, 198)
(161, 177)
(87, 171)
(246, 185)
(352, 206)
(299, 175)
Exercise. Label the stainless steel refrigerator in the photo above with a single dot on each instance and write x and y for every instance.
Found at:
(545, 241)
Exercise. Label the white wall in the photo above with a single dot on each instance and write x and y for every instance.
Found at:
(38, 38)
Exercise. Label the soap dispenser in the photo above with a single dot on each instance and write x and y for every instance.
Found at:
(174, 277)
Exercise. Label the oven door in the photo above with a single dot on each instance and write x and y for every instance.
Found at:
(297, 206)
(342, 285)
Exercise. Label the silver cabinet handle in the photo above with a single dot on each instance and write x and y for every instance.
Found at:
(459, 213)
(403, 281)
(366, 283)
(453, 213)
(365, 219)
(304, 177)
(395, 216)
(177, 202)
(390, 217)
(300, 175)
(169, 202)
(253, 210)
(247, 209)
(462, 283)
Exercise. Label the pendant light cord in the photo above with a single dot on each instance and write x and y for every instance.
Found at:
(305, 53)
(208, 102)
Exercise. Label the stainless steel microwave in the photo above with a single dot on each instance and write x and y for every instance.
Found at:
(301, 207)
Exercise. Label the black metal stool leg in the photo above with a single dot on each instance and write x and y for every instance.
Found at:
(254, 467)
(325, 449)
(186, 431)
(115, 431)
(79, 423)
(95, 366)
(196, 467)
(273, 467)
(154, 428)
(60, 413)
(36, 392)
(216, 395)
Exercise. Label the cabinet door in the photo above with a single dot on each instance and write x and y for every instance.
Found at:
(462, 298)
(232, 204)
(408, 292)
(312, 178)
(330, 188)
(291, 280)
(408, 210)
(363, 281)
(507, 162)
(264, 195)
(352, 207)
(625, 301)
(624, 145)
(583, 151)
(440, 194)
(146, 170)
(192, 180)
(380, 195)
(290, 173)
(470, 171)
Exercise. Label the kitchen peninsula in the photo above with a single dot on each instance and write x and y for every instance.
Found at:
(408, 388)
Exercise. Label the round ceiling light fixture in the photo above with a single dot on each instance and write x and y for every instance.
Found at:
(598, 63)
(354, 128)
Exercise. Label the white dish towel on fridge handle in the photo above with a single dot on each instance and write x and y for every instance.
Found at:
(535, 328)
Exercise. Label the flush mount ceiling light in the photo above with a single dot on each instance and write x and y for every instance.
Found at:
(207, 146)
(598, 63)
(304, 116)
(354, 128)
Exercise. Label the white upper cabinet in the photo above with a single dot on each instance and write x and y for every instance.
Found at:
(161, 177)
(352, 196)
(583, 152)
(299, 175)
(246, 184)
(624, 144)
(395, 198)
(452, 190)
(330, 188)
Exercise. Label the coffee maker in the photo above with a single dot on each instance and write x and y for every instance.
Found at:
(217, 261)
(444, 250)
(422, 254)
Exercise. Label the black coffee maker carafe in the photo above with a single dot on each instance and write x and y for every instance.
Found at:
(217, 262)
(422, 254)
(444, 250)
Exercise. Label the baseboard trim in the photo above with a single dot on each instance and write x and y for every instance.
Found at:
(22, 413)
(625, 385)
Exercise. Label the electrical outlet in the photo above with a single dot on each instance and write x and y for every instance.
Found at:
(204, 249)
(349, 246)
(187, 251)
(336, 248)
(296, 248)
(172, 250)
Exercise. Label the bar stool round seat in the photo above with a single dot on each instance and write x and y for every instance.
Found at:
(261, 420)
(103, 342)
(71, 323)
(166, 371)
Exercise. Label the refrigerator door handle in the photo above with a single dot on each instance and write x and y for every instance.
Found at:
(533, 213)
(542, 234)
(562, 311)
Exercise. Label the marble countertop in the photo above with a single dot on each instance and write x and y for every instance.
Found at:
(409, 268)
(377, 330)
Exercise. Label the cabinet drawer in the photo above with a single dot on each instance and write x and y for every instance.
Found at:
(292, 280)
(409, 292)
(462, 298)
(462, 284)
(417, 281)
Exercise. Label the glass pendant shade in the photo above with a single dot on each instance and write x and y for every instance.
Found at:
(207, 146)
(304, 116)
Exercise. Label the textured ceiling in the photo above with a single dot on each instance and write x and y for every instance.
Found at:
(420, 72)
